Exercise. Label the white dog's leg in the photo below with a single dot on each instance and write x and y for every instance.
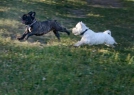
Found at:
(79, 43)
(110, 46)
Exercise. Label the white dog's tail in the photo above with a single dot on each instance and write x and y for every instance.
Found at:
(107, 32)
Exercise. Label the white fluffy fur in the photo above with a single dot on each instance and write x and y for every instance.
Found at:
(92, 38)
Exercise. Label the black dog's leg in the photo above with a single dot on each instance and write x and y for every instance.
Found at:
(58, 27)
(23, 36)
(64, 30)
(67, 31)
(29, 34)
(57, 34)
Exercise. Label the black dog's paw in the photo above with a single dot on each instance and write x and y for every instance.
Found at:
(19, 38)
(68, 32)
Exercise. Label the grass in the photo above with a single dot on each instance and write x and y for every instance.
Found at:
(44, 66)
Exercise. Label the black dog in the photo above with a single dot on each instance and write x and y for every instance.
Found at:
(39, 28)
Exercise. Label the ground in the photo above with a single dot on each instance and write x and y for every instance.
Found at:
(33, 67)
(97, 3)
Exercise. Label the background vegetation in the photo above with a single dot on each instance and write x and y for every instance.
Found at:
(44, 66)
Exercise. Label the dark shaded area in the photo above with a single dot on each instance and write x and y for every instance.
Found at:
(105, 3)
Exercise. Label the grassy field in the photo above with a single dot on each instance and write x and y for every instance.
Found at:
(44, 66)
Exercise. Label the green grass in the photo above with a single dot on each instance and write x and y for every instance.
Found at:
(44, 66)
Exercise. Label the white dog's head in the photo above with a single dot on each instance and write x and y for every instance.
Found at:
(79, 28)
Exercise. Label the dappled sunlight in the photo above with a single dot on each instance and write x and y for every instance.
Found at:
(105, 3)
(130, 0)
(130, 59)
(67, 2)
(79, 1)
(44, 1)
(53, 43)
(45, 66)
(27, 44)
(4, 31)
(94, 15)
(74, 16)
(103, 50)
(4, 9)
(18, 43)
(10, 23)
(40, 44)
(10, 28)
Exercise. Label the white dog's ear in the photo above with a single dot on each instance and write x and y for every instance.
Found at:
(81, 23)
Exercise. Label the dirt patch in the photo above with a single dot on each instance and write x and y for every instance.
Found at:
(105, 3)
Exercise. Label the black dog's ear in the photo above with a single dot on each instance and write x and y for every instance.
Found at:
(24, 16)
(32, 14)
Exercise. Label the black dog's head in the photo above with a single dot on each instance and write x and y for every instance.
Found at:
(28, 18)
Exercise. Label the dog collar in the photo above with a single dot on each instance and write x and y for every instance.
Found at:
(83, 32)
(32, 23)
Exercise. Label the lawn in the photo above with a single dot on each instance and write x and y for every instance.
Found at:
(44, 66)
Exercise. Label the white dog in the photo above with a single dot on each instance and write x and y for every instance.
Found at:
(90, 37)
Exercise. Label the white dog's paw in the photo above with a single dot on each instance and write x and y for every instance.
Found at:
(110, 45)
(79, 43)
(76, 45)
